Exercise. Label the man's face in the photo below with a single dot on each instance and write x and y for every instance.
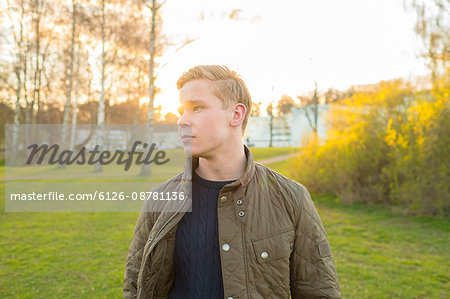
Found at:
(204, 126)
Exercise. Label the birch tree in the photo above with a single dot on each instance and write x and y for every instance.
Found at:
(101, 102)
(43, 26)
(17, 12)
(154, 7)
(70, 78)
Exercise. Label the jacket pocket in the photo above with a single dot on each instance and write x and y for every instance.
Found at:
(274, 246)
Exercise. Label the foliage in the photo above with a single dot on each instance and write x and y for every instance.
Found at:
(285, 104)
(171, 118)
(256, 109)
(333, 95)
(386, 145)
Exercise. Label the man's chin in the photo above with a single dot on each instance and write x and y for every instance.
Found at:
(193, 154)
(189, 151)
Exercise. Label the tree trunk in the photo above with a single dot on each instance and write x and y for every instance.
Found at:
(69, 89)
(18, 72)
(101, 104)
(37, 21)
(145, 169)
(75, 105)
(27, 132)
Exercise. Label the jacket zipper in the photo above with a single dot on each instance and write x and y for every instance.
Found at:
(244, 247)
(167, 222)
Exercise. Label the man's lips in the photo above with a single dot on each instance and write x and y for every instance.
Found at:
(187, 137)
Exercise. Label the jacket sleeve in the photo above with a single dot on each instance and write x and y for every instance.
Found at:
(312, 270)
(134, 257)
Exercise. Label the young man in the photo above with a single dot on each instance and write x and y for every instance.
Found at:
(252, 233)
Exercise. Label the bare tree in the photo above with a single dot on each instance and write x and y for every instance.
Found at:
(154, 6)
(269, 111)
(41, 11)
(309, 105)
(101, 102)
(70, 79)
(21, 50)
(156, 43)
(75, 103)
(433, 26)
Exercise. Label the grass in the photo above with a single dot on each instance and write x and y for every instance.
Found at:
(64, 255)
(378, 254)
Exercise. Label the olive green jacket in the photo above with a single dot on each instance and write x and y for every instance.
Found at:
(271, 239)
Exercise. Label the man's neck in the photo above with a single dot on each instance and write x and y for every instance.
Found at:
(226, 167)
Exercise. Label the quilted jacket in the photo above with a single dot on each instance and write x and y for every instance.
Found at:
(272, 241)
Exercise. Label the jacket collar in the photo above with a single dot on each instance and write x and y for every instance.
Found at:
(192, 163)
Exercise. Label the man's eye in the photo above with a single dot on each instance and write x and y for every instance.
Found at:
(196, 108)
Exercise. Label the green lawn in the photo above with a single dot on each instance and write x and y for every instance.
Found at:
(378, 254)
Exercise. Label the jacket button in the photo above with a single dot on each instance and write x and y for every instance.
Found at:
(241, 213)
(225, 247)
(223, 199)
(239, 202)
(264, 255)
(230, 298)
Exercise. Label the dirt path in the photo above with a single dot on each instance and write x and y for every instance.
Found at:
(278, 158)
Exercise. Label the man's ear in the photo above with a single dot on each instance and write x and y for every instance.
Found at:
(239, 112)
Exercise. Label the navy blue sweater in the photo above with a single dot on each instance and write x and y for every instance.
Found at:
(198, 272)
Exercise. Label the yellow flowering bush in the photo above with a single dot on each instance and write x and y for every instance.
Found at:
(387, 144)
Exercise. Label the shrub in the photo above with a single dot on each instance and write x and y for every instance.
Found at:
(386, 145)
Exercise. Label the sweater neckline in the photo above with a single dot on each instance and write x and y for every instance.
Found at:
(207, 183)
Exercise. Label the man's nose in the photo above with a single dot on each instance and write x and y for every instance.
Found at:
(184, 120)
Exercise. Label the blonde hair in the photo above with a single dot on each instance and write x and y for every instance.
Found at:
(226, 85)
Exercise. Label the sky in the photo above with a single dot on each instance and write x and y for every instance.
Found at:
(283, 47)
